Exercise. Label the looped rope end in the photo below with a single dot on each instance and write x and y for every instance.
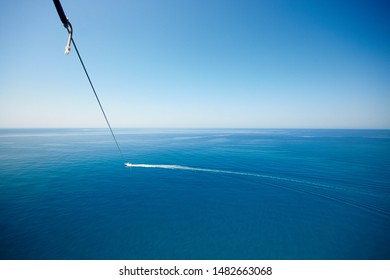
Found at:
(70, 31)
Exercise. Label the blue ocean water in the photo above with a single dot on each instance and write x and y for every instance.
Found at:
(200, 194)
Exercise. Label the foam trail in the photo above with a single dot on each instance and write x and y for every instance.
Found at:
(181, 167)
(319, 192)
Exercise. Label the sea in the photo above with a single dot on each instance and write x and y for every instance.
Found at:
(195, 194)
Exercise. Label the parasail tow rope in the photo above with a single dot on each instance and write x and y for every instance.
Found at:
(69, 28)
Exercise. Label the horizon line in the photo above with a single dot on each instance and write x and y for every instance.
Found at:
(208, 128)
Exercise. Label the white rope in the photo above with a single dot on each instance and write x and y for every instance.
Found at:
(70, 31)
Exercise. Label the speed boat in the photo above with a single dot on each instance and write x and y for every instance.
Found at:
(127, 164)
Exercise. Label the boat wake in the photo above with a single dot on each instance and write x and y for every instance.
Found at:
(306, 187)
(181, 167)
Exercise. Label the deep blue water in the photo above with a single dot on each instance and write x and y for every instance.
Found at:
(252, 194)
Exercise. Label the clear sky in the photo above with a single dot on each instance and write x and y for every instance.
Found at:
(197, 63)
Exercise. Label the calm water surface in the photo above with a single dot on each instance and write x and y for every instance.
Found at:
(201, 194)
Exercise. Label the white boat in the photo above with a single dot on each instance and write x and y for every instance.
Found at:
(128, 164)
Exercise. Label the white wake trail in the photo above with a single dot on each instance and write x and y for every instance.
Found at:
(181, 167)
(320, 190)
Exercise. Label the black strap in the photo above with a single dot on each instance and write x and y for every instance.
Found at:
(61, 13)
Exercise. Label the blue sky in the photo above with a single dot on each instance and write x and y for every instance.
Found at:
(203, 63)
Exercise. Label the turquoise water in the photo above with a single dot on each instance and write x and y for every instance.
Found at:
(196, 194)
